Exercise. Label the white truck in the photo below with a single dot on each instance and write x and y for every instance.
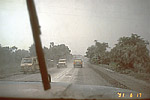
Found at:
(29, 64)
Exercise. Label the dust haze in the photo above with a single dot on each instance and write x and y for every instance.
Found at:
(76, 23)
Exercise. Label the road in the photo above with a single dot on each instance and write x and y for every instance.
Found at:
(88, 75)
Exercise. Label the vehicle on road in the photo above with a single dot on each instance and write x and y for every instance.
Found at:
(62, 63)
(29, 64)
(78, 62)
(50, 63)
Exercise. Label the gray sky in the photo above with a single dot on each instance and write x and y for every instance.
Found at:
(76, 23)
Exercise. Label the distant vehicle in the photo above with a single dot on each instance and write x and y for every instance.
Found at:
(78, 62)
(29, 64)
(62, 63)
(50, 63)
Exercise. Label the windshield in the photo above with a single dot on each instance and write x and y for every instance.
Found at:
(104, 43)
(27, 61)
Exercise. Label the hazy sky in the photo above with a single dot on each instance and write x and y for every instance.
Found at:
(76, 23)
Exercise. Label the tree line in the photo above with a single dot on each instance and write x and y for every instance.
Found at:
(13, 55)
(129, 53)
(54, 52)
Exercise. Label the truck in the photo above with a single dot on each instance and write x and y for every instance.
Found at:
(29, 64)
(78, 62)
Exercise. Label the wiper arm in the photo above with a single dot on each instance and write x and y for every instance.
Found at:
(36, 35)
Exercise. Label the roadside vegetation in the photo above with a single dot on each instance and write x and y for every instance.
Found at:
(53, 52)
(10, 57)
(129, 56)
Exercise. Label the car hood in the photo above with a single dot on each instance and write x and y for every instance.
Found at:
(63, 90)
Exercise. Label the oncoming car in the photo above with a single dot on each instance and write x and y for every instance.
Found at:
(61, 63)
(29, 64)
(78, 62)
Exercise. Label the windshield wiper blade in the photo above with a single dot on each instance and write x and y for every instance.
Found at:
(36, 35)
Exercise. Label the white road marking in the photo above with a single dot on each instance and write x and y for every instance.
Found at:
(60, 75)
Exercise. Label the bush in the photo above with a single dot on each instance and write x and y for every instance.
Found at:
(131, 53)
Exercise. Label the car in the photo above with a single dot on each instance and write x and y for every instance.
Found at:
(62, 63)
(29, 64)
(78, 62)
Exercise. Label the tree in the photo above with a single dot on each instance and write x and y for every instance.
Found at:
(90, 51)
(19, 54)
(11, 56)
(46, 53)
(59, 51)
(14, 48)
(32, 50)
(97, 53)
(131, 52)
(51, 44)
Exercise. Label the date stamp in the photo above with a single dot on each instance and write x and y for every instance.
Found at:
(131, 95)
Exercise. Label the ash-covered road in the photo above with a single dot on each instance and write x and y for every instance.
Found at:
(88, 75)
